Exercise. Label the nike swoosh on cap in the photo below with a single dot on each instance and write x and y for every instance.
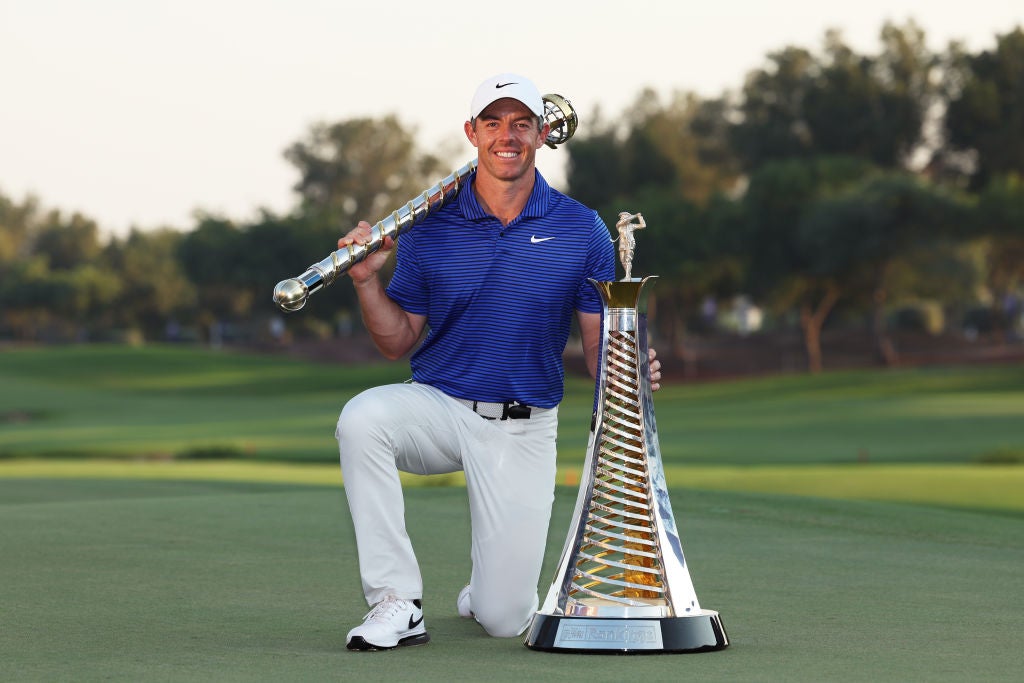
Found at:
(502, 85)
(537, 240)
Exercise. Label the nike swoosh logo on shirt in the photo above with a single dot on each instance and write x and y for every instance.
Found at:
(537, 240)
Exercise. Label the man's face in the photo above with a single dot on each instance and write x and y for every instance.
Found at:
(507, 137)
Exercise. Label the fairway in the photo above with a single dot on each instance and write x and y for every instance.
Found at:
(200, 581)
(183, 403)
(177, 514)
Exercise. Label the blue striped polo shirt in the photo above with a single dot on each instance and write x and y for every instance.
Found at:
(499, 300)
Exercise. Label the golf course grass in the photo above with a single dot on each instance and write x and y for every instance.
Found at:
(143, 580)
(182, 403)
(174, 514)
(992, 487)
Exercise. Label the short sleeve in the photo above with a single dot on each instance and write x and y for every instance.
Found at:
(407, 287)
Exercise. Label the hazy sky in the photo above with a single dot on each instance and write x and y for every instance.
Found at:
(138, 112)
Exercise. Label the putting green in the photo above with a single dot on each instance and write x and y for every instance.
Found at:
(143, 579)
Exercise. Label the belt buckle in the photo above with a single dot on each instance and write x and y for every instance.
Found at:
(515, 411)
(510, 410)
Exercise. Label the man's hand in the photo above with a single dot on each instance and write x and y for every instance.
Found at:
(655, 368)
(366, 270)
(394, 331)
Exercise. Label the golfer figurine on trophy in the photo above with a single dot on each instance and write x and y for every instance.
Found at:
(622, 584)
(627, 243)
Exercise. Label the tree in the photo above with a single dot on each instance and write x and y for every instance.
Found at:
(22, 297)
(670, 161)
(66, 243)
(210, 257)
(984, 121)
(16, 224)
(359, 169)
(861, 238)
(155, 289)
(51, 283)
(1000, 222)
(688, 247)
(596, 169)
(782, 268)
(81, 296)
(772, 124)
(872, 107)
(680, 146)
(292, 243)
(840, 103)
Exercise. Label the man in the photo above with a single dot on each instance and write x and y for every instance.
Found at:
(493, 278)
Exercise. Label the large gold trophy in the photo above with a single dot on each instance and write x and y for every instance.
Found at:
(622, 584)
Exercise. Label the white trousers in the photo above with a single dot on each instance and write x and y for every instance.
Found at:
(510, 476)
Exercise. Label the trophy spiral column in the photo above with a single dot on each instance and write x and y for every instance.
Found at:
(622, 584)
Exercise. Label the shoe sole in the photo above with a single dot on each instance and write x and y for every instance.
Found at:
(362, 645)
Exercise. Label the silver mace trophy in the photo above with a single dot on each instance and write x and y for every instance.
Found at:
(622, 585)
(290, 295)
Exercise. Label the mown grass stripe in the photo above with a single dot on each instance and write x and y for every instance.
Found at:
(998, 487)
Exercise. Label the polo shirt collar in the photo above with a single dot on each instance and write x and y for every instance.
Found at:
(536, 205)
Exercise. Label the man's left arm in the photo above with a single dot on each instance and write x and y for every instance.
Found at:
(590, 331)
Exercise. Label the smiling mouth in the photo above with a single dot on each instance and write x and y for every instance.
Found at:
(507, 155)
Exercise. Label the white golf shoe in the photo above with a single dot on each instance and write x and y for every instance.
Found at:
(393, 622)
(463, 604)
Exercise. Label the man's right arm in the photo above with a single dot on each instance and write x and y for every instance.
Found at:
(394, 330)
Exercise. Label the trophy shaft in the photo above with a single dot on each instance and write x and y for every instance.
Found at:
(624, 557)
(622, 584)
(290, 295)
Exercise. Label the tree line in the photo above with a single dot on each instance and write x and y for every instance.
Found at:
(831, 186)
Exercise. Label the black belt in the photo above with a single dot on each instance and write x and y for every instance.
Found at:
(510, 410)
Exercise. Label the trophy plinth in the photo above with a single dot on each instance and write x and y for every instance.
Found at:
(627, 636)
(622, 585)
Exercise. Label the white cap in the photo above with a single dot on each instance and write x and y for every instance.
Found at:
(507, 85)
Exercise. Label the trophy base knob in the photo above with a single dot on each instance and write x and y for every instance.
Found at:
(700, 632)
